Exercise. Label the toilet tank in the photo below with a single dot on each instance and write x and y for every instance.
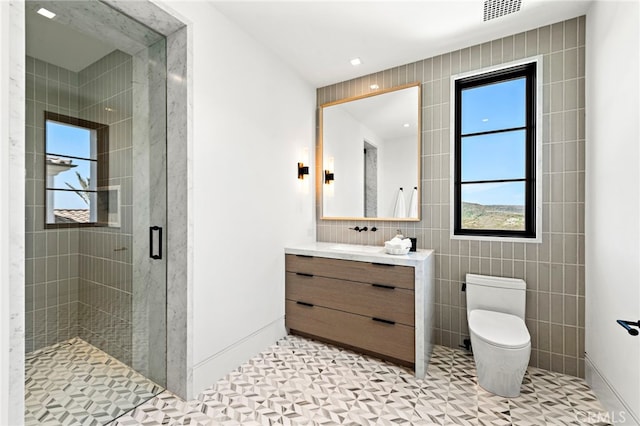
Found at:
(498, 294)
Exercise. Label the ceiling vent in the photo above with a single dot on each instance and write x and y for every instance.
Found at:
(497, 8)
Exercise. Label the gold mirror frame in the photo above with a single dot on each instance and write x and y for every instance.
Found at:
(326, 170)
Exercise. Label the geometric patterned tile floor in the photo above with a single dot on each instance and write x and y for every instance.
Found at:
(303, 382)
(75, 383)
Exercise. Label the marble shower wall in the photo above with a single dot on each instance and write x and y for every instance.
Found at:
(554, 269)
(105, 253)
(51, 260)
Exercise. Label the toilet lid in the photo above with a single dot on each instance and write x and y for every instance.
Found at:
(499, 329)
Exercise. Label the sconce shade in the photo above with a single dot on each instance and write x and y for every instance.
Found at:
(328, 176)
(302, 170)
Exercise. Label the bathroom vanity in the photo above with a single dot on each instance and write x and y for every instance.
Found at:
(363, 299)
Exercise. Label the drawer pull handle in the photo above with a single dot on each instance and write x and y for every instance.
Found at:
(302, 274)
(386, 287)
(305, 304)
(382, 264)
(384, 321)
(304, 255)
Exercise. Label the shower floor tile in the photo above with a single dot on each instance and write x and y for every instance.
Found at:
(303, 382)
(75, 383)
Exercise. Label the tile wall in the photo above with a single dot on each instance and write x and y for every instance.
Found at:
(51, 265)
(105, 255)
(554, 269)
(79, 281)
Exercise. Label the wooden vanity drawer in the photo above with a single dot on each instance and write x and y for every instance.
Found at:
(366, 299)
(390, 340)
(375, 273)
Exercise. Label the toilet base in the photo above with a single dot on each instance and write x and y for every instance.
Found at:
(500, 370)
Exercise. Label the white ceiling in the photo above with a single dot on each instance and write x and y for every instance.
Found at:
(387, 113)
(61, 45)
(82, 32)
(318, 38)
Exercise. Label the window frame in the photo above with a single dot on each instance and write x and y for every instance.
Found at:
(102, 165)
(531, 68)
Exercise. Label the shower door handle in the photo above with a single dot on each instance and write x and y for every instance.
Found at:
(155, 233)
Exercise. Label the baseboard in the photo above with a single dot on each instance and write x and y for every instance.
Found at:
(212, 369)
(618, 411)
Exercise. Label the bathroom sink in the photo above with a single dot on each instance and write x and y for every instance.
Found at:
(356, 248)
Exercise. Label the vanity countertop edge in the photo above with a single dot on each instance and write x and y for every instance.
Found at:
(356, 252)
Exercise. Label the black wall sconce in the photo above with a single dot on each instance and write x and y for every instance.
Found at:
(302, 170)
(328, 177)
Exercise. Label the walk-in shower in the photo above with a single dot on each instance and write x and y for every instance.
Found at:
(95, 300)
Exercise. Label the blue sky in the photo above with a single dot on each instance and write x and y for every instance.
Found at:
(74, 141)
(494, 156)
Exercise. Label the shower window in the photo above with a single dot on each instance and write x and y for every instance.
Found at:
(76, 168)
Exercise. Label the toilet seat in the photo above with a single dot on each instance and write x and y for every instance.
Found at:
(499, 329)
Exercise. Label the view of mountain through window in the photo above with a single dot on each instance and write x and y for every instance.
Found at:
(491, 153)
(494, 152)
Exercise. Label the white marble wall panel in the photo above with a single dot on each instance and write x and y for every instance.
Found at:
(166, 21)
(179, 234)
(13, 15)
(140, 252)
(150, 15)
(149, 156)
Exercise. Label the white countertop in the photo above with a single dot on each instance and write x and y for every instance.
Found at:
(359, 253)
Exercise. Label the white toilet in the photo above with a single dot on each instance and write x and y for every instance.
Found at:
(499, 337)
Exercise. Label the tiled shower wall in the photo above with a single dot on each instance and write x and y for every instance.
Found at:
(51, 267)
(553, 269)
(105, 265)
(79, 281)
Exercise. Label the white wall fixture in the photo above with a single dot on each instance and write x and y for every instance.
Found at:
(612, 229)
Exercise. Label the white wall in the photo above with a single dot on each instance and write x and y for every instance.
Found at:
(343, 140)
(612, 233)
(400, 171)
(252, 116)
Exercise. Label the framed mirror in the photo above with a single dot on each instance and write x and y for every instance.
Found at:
(371, 156)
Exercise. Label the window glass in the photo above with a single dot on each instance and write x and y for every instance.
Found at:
(70, 173)
(494, 156)
(66, 139)
(495, 151)
(71, 162)
(71, 207)
(494, 106)
(493, 206)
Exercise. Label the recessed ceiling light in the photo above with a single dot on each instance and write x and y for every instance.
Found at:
(374, 87)
(109, 109)
(406, 125)
(355, 62)
(46, 13)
